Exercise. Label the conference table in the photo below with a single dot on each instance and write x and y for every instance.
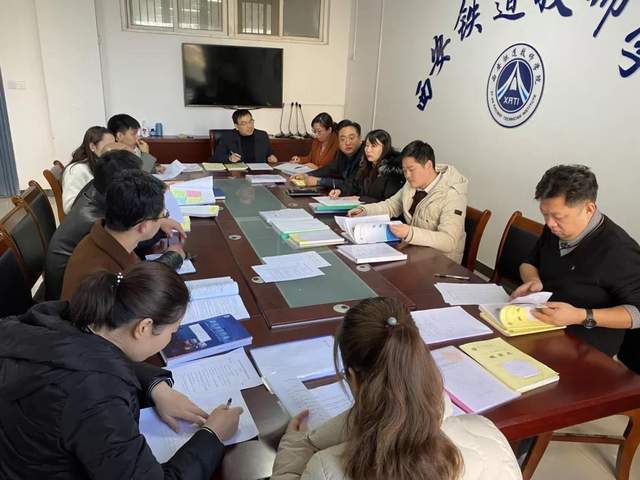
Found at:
(591, 385)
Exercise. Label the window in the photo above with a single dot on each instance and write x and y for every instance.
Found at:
(298, 20)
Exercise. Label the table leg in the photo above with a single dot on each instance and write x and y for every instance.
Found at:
(628, 448)
(535, 455)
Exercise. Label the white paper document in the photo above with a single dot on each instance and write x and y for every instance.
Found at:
(164, 442)
(171, 204)
(295, 397)
(212, 287)
(171, 171)
(284, 273)
(293, 168)
(368, 229)
(537, 298)
(305, 359)
(212, 307)
(288, 226)
(200, 211)
(472, 293)
(191, 168)
(266, 179)
(371, 253)
(337, 202)
(470, 386)
(444, 324)
(259, 166)
(187, 265)
(335, 398)
(229, 371)
(312, 259)
(286, 213)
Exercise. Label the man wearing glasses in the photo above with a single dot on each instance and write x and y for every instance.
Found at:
(245, 143)
(134, 211)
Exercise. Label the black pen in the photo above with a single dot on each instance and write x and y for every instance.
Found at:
(453, 277)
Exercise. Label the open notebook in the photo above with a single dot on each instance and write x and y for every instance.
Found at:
(211, 297)
(370, 229)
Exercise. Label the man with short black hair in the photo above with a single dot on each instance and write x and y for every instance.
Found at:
(335, 174)
(245, 143)
(133, 212)
(126, 130)
(433, 202)
(591, 265)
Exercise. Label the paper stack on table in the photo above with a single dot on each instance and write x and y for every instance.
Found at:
(286, 213)
(514, 318)
(293, 168)
(200, 211)
(194, 192)
(259, 167)
(213, 167)
(316, 238)
(286, 226)
(191, 168)
(211, 297)
(295, 266)
(445, 324)
(371, 253)
(265, 179)
(334, 205)
(236, 167)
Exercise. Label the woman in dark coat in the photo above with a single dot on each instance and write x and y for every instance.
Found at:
(379, 175)
(72, 382)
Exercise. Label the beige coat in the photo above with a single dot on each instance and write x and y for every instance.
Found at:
(438, 220)
(316, 455)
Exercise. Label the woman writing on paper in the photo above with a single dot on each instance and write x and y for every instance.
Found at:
(325, 144)
(72, 382)
(400, 426)
(379, 175)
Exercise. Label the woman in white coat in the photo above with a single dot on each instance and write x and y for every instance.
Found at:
(399, 426)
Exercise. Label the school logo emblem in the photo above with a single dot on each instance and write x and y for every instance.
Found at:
(515, 85)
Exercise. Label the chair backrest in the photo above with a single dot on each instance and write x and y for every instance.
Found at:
(54, 178)
(35, 201)
(23, 230)
(517, 242)
(474, 225)
(15, 294)
(214, 137)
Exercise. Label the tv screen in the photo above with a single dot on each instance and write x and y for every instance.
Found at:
(232, 76)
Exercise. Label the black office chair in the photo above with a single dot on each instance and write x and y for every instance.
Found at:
(21, 227)
(518, 239)
(36, 203)
(214, 137)
(474, 224)
(15, 295)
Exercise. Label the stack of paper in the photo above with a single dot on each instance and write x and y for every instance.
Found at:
(328, 204)
(265, 179)
(236, 167)
(314, 239)
(369, 229)
(194, 192)
(213, 167)
(191, 168)
(293, 168)
(515, 318)
(259, 167)
(513, 367)
(164, 442)
(472, 293)
(286, 226)
(308, 258)
(295, 266)
(211, 297)
(201, 211)
(469, 385)
(373, 253)
(305, 359)
(440, 325)
(186, 268)
(286, 213)
(171, 171)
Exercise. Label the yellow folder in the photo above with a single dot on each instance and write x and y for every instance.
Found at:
(513, 367)
(514, 320)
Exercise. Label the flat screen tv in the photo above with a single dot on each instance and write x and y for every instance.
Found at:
(228, 76)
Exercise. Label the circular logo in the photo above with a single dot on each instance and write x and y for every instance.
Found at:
(515, 85)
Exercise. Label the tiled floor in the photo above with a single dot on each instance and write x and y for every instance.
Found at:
(566, 461)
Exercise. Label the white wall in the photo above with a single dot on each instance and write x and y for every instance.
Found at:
(362, 65)
(142, 74)
(588, 113)
(27, 107)
(71, 64)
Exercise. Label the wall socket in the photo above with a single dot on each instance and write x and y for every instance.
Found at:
(16, 85)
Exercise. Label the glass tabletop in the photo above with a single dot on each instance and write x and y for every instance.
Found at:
(338, 284)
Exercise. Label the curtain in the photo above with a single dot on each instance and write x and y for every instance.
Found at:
(8, 173)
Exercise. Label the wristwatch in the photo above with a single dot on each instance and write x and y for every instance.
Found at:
(589, 322)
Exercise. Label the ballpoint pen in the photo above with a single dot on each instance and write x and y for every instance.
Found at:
(228, 403)
(453, 277)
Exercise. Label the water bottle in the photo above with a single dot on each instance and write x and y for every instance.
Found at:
(158, 129)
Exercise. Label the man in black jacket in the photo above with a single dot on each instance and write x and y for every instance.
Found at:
(335, 175)
(87, 208)
(245, 143)
(591, 265)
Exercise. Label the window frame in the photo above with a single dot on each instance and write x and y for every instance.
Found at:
(230, 24)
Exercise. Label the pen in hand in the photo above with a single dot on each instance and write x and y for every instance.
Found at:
(453, 277)
(228, 403)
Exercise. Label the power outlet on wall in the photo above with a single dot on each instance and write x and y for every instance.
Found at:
(16, 85)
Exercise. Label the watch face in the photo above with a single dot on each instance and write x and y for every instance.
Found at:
(590, 322)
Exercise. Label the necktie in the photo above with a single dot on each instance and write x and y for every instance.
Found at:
(417, 198)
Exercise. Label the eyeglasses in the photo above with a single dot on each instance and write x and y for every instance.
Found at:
(162, 216)
(248, 122)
